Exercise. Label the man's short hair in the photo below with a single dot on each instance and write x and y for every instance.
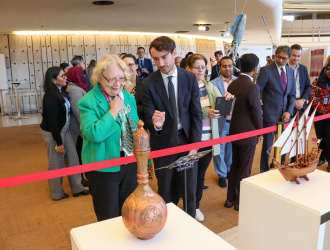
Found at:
(219, 52)
(248, 62)
(226, 58)
(76, 60)
(130, 56)
(163, 43)
(189, 54)
(284, 48)
(296, 47)
(141, 48)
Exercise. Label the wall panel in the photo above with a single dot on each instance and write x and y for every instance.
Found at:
(89, 45)
(78, 46)
(55, 48)
(37, 61)
(102, 44)
(4, 49)
(63, 47)
(49, 51)
(115, 44)
(69, 44)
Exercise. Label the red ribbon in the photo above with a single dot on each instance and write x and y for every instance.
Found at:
(40, 176)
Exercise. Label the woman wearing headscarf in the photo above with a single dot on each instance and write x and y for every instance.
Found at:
(321, 93)
(108, 122)
(55, 131)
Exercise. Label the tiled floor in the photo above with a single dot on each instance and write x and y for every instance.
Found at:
(9, 121)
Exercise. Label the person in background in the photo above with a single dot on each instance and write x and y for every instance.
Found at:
(321, 93)
(90, 68)
(208, 93)
(145, 64)
(269, 60)
(324, 65)
(65, 67)
(55, 131)
(76, 89)
(247, 116)
(78, 61)
(108, 122)
(215, 72)
(178, 60)
(122, 55)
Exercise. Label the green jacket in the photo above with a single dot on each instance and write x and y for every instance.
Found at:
(101, 132)
(213, 92)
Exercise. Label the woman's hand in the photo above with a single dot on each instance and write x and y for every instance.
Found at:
(213, 113)
(116, 104)
(60, 150)
(228, 96)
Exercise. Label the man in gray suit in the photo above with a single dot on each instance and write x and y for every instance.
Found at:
(222, 162)
(276, 81)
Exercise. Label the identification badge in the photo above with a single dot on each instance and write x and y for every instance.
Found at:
(325, 100)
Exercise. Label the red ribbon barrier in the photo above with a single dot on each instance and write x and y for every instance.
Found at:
(40, 176)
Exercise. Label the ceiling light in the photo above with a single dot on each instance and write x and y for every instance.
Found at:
(289, 18)
(103, 2)
(203, 26)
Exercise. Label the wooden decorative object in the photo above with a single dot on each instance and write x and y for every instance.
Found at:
(144, 212)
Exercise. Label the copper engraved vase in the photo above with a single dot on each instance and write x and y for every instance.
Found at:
(144, 212)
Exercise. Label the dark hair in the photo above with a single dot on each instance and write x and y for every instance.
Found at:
(248, 62)
(122, 54)
(226, 58)
(189, 54)
(76, 60)
(268, 57)
(130, 56)
(141, 48)
(194, 58)
(184, 63)
(163, 43)
(296, 47)
(92, 63)
(64, 65)
(284, 48)
(218, 53)
(49, 85)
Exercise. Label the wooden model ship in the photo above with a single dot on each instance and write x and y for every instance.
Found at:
(294, 143)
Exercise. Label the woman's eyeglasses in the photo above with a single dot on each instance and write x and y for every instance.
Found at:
(114, 80)
(198, 68)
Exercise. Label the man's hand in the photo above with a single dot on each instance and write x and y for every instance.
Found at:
(228, 96)
(194, 151)
(286, 116)
(60, 149)
(158, 119)
(299, 104)
(144, 70)
(213, 113)
(259, 138)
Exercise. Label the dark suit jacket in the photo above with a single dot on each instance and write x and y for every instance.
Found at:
(305, 84)
(275, 101)
(214, 72)
(154, 97)
(247, 115)
(138, 98)
(146, 64)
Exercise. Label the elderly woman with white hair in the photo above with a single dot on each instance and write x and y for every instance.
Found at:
(108, 122)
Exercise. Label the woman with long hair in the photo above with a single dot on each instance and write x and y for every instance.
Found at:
(108, 122)
(91, 68)
(55, 131)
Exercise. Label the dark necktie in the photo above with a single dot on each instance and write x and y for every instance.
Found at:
(283, 79)
(141, 61)
(172, 99)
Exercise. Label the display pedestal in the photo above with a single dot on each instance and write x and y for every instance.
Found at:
(180, 232)
(277, 214)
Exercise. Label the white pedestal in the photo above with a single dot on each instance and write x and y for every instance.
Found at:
(180, 232)
(277, 214)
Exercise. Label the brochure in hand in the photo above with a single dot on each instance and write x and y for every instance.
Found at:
(225, 107)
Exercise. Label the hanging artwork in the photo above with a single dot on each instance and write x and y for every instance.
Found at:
(316, 62)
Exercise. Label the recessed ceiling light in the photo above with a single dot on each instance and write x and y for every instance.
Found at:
(103, 2)
(182, 31)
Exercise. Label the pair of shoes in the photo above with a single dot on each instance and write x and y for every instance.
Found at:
(236, 207)
(321, 162)
(222, 182)
(84, 182)
(205, 188)
(328, 168)
(85, 192)
(63, 197)
(229, 204)
(199, 215)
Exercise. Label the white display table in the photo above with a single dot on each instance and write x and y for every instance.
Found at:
(180, 232)
(277, 214)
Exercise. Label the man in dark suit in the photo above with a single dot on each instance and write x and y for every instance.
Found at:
(276, 81)
(247, 116)
(145, 64)
(135, 88)
(173, 116)
(216, 68)
(303, 83)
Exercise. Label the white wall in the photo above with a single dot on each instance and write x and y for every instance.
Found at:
(3, 76)
(260, 50)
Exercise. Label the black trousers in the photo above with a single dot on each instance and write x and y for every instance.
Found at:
(171, 183)
(322, 129)
(110, 190)
(203, 164)
(240, 168)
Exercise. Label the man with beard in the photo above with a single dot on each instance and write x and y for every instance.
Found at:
(173, 115)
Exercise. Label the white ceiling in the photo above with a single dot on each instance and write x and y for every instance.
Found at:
(143, 16)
